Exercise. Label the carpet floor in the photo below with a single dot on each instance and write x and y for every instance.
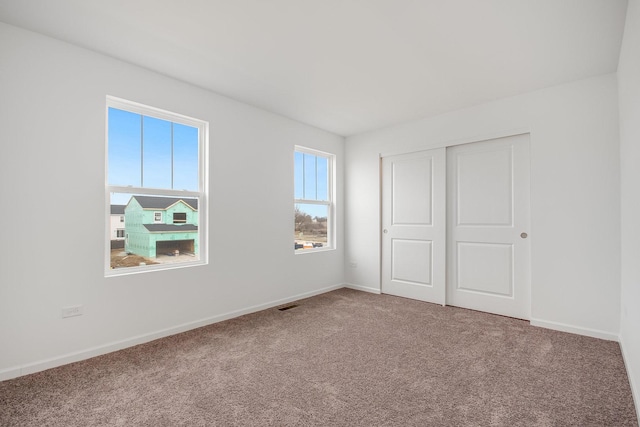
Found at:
(344, 358)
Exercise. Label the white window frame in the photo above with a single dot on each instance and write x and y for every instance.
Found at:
(330, 202)
(201, 194)
(157, 217)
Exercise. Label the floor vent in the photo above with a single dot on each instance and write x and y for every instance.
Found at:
(289, 307)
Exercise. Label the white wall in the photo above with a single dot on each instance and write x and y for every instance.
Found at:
(52, 113)
(574, 196)
(629, 98)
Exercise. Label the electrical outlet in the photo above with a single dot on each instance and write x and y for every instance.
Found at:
(75, 310)
(353, 264)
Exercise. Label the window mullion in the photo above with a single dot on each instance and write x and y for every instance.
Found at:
(304, 176)
(153, 191)
(172, 155)
(312, 202)
(141, 150)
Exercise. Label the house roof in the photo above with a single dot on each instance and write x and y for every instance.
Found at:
(117, 209)
(155, 202)
(170, 227)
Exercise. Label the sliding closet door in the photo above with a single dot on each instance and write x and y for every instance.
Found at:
(488, 245)
(413, 225)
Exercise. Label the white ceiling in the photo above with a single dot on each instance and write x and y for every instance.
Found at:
(347, 66)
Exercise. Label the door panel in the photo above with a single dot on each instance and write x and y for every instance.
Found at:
(485, 201)
(414, 228)
(411, 183)
(488, 209)
(411, 261)
(485, 268)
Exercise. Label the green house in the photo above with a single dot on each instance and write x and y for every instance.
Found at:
(161, 225)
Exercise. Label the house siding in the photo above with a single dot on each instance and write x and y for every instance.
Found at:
(142, 242)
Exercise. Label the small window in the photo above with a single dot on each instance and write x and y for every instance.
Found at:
(156, 172)
(120, 233)
(313, 200)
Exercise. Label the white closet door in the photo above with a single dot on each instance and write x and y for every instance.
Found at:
(488, 247)
(414, 227)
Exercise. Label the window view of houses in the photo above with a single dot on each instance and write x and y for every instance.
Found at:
(148, 153)
(153, 150)
(117, 226)
(154, 230)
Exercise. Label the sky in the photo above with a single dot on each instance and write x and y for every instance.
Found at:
(151, 153)
(311, 182)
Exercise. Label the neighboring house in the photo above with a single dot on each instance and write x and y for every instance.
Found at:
(161, 225)
(116, 226)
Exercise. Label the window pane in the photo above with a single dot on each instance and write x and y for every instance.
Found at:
(322, 178)
(309, 177)
(124, 148)
(148, 242)
(185, 157)
(156, 171)
(298, 166)
(310, 226)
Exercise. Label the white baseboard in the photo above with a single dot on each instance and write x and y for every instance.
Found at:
(41, 365)
(563, 327)
(7, 374)
(362, 288)
(635, 392)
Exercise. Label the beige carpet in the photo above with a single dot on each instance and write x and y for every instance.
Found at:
(345, 358)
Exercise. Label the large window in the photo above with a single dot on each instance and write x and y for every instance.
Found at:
(156, 168)
(313, 200)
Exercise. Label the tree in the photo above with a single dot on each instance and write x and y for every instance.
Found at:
(302, 220)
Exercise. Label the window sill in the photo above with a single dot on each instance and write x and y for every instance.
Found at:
(313, 251)
(126, 271)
